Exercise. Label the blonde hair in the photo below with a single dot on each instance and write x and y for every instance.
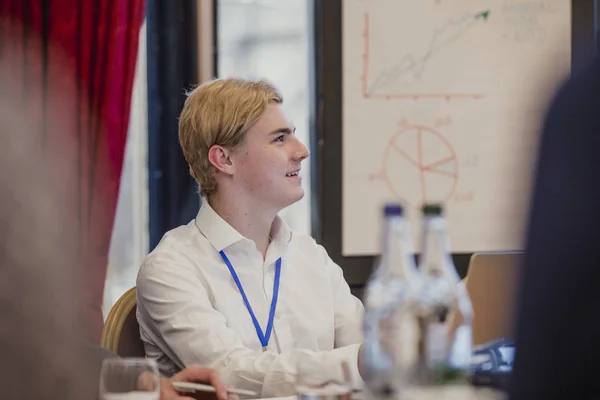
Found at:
(220, 112)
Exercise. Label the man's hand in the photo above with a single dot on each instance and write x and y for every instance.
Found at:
(194, 373)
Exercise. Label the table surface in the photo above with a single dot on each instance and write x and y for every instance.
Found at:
(464, 393)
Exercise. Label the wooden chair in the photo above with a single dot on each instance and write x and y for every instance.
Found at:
(121, 333)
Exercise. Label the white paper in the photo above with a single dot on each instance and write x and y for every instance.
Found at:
(442, 101)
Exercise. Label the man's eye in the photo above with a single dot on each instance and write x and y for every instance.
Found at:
(279, 138)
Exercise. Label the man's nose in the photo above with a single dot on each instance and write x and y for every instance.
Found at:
(301, 152)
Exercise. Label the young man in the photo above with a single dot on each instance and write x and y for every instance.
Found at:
(235, 289)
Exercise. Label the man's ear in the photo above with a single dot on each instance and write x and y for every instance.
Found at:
(220, 158)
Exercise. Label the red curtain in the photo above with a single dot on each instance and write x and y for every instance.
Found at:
(76, 60)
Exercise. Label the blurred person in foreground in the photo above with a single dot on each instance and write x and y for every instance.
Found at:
(558, 329)
(40, 281)
(236, 289)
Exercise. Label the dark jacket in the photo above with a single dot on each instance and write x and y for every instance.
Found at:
(558, 324)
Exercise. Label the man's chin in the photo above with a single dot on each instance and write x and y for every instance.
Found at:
(294, 198)
(299, 196)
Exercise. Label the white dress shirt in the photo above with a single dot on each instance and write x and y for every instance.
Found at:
(190, 310)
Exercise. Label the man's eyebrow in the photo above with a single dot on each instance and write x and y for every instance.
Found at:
(283, 130)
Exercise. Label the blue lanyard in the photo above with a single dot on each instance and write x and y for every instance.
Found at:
(264, 338)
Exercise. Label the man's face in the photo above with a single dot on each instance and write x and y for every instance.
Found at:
(267, 166)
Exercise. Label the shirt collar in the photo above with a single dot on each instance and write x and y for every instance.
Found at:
(222, 235)
(280, 232)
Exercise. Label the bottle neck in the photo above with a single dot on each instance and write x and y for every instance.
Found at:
(397, 254)
(436, 252)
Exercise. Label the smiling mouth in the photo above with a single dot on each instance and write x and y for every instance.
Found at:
(292, 174)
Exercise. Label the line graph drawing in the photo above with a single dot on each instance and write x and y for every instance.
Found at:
(418, 165)
(412, 66)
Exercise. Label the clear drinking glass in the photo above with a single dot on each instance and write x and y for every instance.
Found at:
(129, 379)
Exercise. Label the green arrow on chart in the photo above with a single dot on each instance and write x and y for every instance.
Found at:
(483, 15)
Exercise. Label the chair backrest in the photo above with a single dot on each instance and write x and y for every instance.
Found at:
(492, 285)
(121, 333)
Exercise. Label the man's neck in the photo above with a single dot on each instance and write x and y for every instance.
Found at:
(248, 219)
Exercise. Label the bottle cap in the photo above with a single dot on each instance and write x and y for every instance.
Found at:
(392, 209)
(432, 209)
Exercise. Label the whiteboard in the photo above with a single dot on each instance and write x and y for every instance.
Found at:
(442, 101)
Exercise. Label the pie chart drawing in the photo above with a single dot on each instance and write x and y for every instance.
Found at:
(419, 165)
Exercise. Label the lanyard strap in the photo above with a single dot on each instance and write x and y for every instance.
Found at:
(264, 338)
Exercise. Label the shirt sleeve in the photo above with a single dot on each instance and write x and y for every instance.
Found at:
(175, 309)
(349, 309)
(349, 313)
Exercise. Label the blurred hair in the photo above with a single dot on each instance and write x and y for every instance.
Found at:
(39, 298)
